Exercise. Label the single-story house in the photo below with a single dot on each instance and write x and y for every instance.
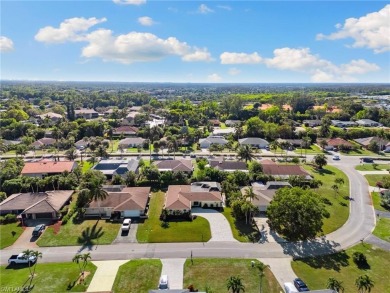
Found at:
(126, 203)
(43, 143)
(131, 142)
(232, 123)
(383, 144)
(222, 131)
(86, 113)
(175, 166)
(343, 124)
(130, 118)
(47, 168)
(284, 171)
(53, 117)
(293, 142)
(82, 144)
(336, 143)
(215, 122)
(40, 205)
(265, 194)
(228, 166)
(255, 142)
(125, 130)
(205, 143)
(116, 167)
(311, 123)
(368, 123)
(181, 198)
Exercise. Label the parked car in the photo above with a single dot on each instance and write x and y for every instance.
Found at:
(21, 259)
(336, 157)
(300, 285)
(163, 284)
(126, 225)
(38, 230)
(290, 288)
(367, 160)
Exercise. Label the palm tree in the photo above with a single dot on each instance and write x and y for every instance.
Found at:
(95, 192)
(336, 285)
(261, 268)
(235, 284)
(339, 181)
(249, 194)
(27, 255)
(335, 187)
(364, 284)
(82, 261)
(245, 153)
(274, 146)
(71, 154)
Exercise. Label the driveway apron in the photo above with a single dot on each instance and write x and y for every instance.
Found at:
(26, 241)
(281, 268)
(173, 268)
(104, 277)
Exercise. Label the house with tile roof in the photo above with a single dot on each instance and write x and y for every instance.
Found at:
(205, 143)
(338, 143)
(39, 205)
(47, 168)
(228, 166)
(181, 198)
(86, 113)
(125, 130)
(255, 142)
(131, 142)
(284, 171)
(127, 202)
(43, 143)
(51, 116)
(175, 166)
(383, 144)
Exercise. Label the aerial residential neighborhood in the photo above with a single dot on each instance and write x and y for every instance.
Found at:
(184, 146)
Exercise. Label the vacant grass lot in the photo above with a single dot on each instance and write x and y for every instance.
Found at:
(338, 207)
(376, 199)
(50, 277)
(316, 271)
(374, 178)
(139, 275)
(9, 233)
(86, 233)
(214, 273)
(186, 231)
(370, 167)
(241, 231)
(382, 229)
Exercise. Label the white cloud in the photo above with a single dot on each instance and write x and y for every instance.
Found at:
(204, 9)
(358, 67)
(225, 7)
(6, 44)
(240, 58)
(129, 2)
(371, 31)
(71, 29)
(234, 71)
(214, 77)
(146, 21)
(138, 47)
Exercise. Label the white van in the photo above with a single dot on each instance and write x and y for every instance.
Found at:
(163, 284)
(290, 288)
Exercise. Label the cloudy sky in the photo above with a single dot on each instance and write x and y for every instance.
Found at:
(196, 41)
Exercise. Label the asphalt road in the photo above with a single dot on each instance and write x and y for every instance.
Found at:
(359, 226)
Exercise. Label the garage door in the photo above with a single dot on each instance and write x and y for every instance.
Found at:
(131, 213)
(44, 216)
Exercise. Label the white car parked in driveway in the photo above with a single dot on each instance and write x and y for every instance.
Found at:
(126, 225)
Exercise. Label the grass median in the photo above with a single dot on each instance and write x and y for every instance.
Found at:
(382, 229)
(372, 179)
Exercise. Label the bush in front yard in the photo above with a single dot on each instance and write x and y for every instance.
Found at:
(8, 218)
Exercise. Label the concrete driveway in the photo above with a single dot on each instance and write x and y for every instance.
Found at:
(127, 237)
(26, 241)
(219, 225)
(173, 268)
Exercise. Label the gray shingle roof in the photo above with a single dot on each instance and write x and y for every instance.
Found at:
(253, 141)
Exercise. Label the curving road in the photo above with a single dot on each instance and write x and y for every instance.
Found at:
(359, 226)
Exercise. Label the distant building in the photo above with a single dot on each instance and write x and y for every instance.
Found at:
(43, 143)
(228, 166)
(222, 131)
(51, 116)
(205, 143)
(232, 123)
(343, 124)
(254, 142)
(383, 144)
(311, 123)
(131, 142)
(125, 131)
(337, 143)
(368, 123)
(175, 166)
(215, 122)
(86, 113)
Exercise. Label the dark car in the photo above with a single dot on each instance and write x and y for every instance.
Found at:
(367, 160)
(300, 285)
(38, 230)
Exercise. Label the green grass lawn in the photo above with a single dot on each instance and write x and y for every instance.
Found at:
(370, 167)
(374, 178)
(376, 200)
(50, 277)
(359, 152)
(185, 231)
(214, 273)
(241, 231)
(382, 229)
(312, 150)
(139, 275)
(87, 233)
(316, 271)
(338, 207)
(9, 233)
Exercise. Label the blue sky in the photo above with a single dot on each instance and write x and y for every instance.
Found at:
(196, 41)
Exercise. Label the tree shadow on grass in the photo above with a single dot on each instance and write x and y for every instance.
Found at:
(89, 235)
(323, 172)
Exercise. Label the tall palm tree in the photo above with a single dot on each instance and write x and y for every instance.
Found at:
(96, 192)
(71, 154)
(274, 145)
(261, 268)
(250, 194)
(235, 284)
(36, 254)
(364, 284)
(82, 261)
(336, 285)
(245, 153)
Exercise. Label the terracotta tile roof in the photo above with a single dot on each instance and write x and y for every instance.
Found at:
(47, 167)
(338, 141)
(283, 170)
(130, 198)
(228, 165)
(126, 130)
(174, 165)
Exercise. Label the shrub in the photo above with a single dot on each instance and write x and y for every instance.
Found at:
(164, 224)
(359, 259)
(8, 218)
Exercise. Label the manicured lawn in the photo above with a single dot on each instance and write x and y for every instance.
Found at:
(338, 207)
(312, 150)
(50, 277)
(9, 233)
(87, 233)
(370, 167)
(214, 273)
(376, 199)
(139, 275)
(241, 231)
(374, 178)
(359, 152)
(382, 229)
(179, 231)
(85, 166)
(316, 271)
